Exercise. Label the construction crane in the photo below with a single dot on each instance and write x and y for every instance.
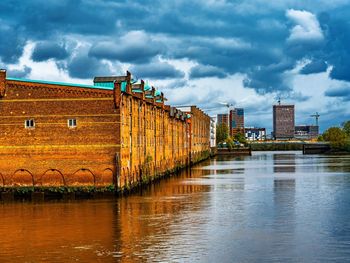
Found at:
(228, 105)
(316, 115)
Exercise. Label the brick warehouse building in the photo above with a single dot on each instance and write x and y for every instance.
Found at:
(113, 132)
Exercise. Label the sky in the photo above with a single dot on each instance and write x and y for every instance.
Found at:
(199, 52)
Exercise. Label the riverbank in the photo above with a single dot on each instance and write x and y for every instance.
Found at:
(306, 147)
(276, 146)
(47, 193)
(234, 151)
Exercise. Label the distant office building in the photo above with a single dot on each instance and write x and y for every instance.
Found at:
(283, 122)
(255, 134)
(236, 121)
(212, 132)
(306, 132)
(222, 119)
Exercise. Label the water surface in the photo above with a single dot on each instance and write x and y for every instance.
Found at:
(269, 207)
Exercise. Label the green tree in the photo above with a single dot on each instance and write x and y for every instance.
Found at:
(336, 136)
(221, 133)
(346, 128)
(229, 143)
(320, 138)
(239, 137)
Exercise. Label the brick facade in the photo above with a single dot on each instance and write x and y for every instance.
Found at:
(283, 122)
(122, 135)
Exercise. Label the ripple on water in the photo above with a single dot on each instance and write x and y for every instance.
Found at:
(268, 207)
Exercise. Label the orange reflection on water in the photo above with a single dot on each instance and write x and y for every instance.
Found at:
(128, 229)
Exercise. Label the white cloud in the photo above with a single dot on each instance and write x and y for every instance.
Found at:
(46, 70)
(307, 27)
(207, 92)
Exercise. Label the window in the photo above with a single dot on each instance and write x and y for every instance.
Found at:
(72, 123)
(29, 124)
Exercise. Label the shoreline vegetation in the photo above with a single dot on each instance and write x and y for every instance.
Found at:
(337, 137)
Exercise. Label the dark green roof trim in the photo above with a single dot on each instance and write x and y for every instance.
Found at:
(60, 83)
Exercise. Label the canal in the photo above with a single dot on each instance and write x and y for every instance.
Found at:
(268, 207)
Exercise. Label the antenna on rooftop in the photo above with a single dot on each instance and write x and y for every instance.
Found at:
(279, 101)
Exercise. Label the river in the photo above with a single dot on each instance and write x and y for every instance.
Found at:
(268, 207)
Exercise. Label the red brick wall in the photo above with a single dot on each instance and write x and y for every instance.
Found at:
(120, 136)
(52, 153)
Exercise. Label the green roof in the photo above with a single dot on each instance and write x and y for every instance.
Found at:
(104, 84)
(147, 87)
(97, 85)
(63, 83)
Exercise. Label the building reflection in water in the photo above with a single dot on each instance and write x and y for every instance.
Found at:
(283, 184)
(127, 229)
(208, 214)
(56, 232)
(284, 213)
(229, 175)
(284, 163)
(148, 224)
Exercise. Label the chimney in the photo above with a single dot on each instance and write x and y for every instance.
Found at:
(117, 94)
(128, 82)
(2, 82)
(142, 85)
(162, 96)
(153, 94)
(143, 89)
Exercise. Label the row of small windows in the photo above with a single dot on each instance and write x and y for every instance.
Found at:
(30, 123)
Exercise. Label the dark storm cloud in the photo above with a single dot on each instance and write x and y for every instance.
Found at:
(203, 71)
(176, 84)
(85, 67)
(11, 43)
(336, 52)
(270, 78)
(317, 66)
(44, 18)
(19, 73)
(134, 47)
(47, 50)
(249, 37)
(342, 92)
(156, 70)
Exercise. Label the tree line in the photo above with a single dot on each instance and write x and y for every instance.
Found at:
(223, 138)
(338, 137)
